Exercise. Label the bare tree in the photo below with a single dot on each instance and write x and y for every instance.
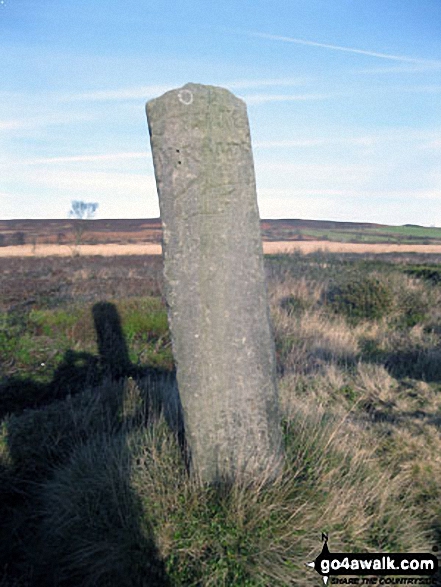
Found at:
(81, 212)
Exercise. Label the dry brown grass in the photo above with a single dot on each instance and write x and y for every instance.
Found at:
(110, 250)
(334, 247)
(269, 248)
(362, 440)
(240, 535)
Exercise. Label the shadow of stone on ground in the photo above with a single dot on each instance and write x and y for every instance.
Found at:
(48, 409)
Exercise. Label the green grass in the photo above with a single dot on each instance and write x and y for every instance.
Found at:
(94, 488)
(331, 235)
(360, 298)
(431, 273)
(118, 505)
(388, 234)
(416, 231)
(49, 322)
(367, 235)
(45, 335)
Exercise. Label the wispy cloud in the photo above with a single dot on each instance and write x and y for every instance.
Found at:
(313, 177)
(145, 92)
(362, 141)
(429, 194)
(134, 93)
(12, 124)
(275, 192)
(318, 169)
(415, 68)
(436, 144)
(89, 158)
(401, 136)
(288, 144)
(263, 98)
(402, 58)
(288, 205)
(34, 122)
(434, 89)
(259, 83)
(89, 182)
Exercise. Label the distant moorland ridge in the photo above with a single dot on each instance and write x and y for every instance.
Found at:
(149, 230)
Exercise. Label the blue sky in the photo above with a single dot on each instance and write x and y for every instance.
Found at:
(343, 97)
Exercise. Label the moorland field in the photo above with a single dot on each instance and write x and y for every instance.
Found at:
(138, 231)
(94, 488)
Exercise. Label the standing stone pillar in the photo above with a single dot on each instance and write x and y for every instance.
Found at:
(215, 282)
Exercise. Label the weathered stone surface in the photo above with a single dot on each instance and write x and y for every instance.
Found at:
(215, 282)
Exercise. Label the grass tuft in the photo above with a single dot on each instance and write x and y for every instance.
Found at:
(94, 483)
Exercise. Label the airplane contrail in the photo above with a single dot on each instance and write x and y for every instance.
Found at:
(339, 48)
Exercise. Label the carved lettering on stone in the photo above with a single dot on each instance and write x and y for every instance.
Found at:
(215, 282)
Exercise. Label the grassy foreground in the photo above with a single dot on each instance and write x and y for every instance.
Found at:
(94, 489)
